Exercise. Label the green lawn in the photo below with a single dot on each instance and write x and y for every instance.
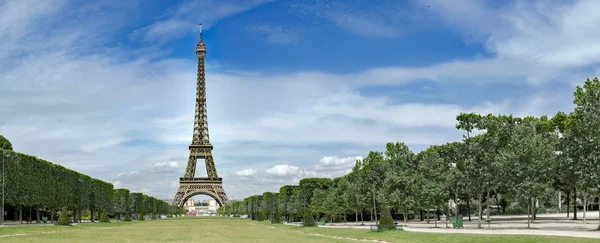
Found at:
(234, 230)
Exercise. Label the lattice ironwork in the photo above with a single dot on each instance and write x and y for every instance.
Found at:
(189, 185)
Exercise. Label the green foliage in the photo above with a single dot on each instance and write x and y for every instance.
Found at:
(5, 144)
(63, 219)
(121, 202)
(141, 217)
(309, 221)
(104, 218)
(386, 222)
(153, 217)
(127, 217)
(276, 218)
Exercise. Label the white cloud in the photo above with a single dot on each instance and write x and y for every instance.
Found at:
(282, 170)
(277, 34)
(172, 164)
(383, 20)
(184, 18)
(335, 164)
(246, 172)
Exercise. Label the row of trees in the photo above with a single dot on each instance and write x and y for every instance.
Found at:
(516, 161)
(31, 182)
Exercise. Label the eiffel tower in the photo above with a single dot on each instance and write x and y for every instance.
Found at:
(189, 185)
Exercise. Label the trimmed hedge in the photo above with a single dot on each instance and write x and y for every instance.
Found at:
(34, 182)
(5, 144)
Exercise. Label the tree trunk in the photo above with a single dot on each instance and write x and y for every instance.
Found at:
(37, 215)
(480, 208)
(584, 206)
(456, 204)
(20, 214)
(356, 215)
(447, 215)
(528, 217)
(497, 203)
(374, 206)
(599, 209)
(427, 216)
(469, 207)
(532, 208)
(487, 205)
(575, 203)
(362, 219)
(405, 217)
(568, 204)
(559, 200)
(52, 212)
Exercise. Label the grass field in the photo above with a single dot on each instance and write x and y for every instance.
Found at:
(235, 230)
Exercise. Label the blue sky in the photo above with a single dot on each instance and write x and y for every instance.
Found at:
(296, 88)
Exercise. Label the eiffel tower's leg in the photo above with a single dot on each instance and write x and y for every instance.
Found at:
(190, 169)
(178, 199)
(222, 196)
(211, 170)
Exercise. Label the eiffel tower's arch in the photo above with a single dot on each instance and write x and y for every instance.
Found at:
(205, 193)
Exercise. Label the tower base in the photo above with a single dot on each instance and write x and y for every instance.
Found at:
(189, 187)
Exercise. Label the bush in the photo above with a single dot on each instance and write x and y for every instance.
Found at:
(276, 218)
(141, 217)
(386, 222)
(262, 216)
(309, 221)
(5, 144)
(153, 217)
(104, 218)
(127, 217)
(64, 217)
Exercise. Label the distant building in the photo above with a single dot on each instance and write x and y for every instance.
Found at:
(211, 209)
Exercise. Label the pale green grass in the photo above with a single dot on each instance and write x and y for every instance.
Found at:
(176, 230)
(236, 230)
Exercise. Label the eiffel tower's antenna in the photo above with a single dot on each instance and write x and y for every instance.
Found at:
(200, 27)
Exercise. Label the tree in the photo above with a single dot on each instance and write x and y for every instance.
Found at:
(386, 222)
(309, 221)
(583, 137)
(104, 218)
(5, 144)
(527, 156)
(399, 186)
(63, 219)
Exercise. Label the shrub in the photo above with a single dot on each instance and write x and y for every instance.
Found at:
(64, 217)
(127, 217)
(153, 217)
(104, 218)
(262, 216)
(277, 218)
(5, 144)
(141, 217)
(309, 221)
(386, 222)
